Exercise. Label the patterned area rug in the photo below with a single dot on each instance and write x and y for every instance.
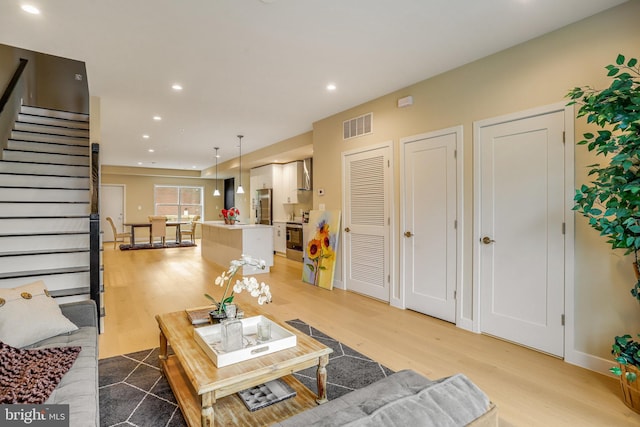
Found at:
(133, 392)
(128, 247)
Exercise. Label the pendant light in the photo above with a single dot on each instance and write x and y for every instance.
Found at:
(240, 189)
(216, 192)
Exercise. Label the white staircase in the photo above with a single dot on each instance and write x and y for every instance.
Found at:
(45, 203)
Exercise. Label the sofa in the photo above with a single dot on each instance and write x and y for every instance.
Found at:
(402, 399)
(79, 386)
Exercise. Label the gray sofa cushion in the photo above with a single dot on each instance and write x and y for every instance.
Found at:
(79, 386)
(405, 398)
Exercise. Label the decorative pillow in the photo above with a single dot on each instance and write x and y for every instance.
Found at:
(28, 315)
(29, 376)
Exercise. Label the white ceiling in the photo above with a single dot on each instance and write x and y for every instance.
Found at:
(260, 67)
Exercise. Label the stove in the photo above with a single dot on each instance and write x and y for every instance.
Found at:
(295, 241)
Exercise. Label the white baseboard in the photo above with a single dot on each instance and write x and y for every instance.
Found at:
(467, 324)
(589, 361)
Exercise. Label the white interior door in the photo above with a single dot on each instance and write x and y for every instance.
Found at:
(429, 213)
(521, 225)
(366, 210)
(111, 204)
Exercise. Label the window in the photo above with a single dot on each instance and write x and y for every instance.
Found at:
(178, 202)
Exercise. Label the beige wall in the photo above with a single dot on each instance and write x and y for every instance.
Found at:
(294, 148)
(139, 192)
(139, 182)
(537, 73)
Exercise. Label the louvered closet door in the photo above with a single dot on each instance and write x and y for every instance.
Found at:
(366, 219)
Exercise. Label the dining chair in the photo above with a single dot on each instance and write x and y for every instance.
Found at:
(158, 228)
(191, 229)
(117, 236)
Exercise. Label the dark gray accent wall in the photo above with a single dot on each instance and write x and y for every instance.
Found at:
(49, 81)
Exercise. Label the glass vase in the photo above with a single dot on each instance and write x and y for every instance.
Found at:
(231, 334)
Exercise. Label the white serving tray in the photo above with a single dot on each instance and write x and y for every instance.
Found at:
(210, 339)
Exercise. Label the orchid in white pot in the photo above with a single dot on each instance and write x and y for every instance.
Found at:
(258, 290)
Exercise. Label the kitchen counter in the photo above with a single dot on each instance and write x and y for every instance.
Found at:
(222, 243)
(235, 226)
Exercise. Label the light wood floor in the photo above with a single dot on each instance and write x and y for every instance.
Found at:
(529, 388)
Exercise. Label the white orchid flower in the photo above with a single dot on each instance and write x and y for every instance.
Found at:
(250, 284)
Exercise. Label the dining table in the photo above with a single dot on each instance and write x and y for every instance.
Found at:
(134, 225)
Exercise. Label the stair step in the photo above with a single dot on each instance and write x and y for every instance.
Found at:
(85, 290)
(43, 195)
(44, 169)
(60, 282)
(13, 226)
(8, 209)
(47, 147)
(45, 202)
(43, 252)
(50, 129)
(43, 233)
(53, 121)
(39, 157)
(38, 242)
(46, 112)
(44, 261)
(41, 137)
(44, 272)
(43, 181)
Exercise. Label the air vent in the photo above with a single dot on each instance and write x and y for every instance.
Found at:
(359, 126)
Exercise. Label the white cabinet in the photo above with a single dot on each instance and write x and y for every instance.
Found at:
(280, 237)
(261, 177)
(290, 181)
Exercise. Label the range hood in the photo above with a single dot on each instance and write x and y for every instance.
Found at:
(305, 175)
(303, 172)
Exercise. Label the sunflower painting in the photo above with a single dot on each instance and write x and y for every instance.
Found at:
(321, 247)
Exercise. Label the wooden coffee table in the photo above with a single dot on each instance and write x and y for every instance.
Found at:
(203, 390)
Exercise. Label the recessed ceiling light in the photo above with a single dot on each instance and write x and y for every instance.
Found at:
(151, 150)
(331, 87)
(193, 167)
(145, 136)
(30, 9)
(176, 86)
(139, 163)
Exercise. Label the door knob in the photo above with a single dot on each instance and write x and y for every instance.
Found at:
(347, 229)
(486, 240)
(408, 234)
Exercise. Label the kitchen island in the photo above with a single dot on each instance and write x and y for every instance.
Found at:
(222, 243)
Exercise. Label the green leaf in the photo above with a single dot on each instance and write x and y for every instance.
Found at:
(620, 59)
(616, 370)
(212, 299)
(632, 62)
(631, 377)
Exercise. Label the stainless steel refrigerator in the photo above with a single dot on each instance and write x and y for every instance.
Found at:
(264, 207)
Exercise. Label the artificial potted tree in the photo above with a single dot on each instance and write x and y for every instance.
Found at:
(611, 201)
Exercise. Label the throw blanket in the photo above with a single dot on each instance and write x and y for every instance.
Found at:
(30, 376)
